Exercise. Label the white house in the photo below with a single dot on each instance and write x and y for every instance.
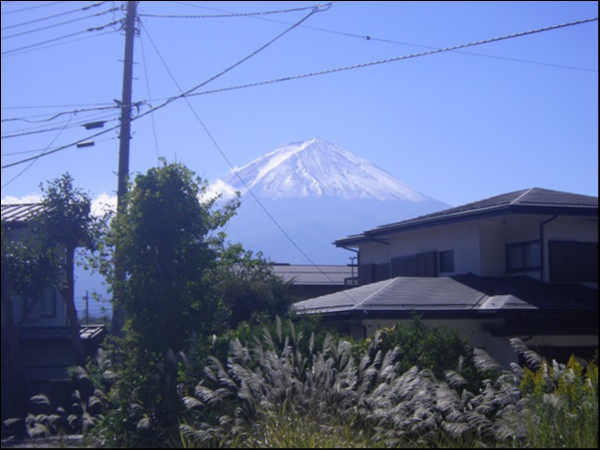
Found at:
(522, 264)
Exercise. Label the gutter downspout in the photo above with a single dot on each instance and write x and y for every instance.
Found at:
(544, 223)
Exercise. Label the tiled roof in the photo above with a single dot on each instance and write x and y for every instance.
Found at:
(458, 293)
(20, 213)
(531, 200)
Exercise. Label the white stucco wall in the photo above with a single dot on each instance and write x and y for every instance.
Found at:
(462, 238)
(480, 246)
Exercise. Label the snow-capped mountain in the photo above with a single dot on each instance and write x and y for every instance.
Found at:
(317, 192)
(317, 168)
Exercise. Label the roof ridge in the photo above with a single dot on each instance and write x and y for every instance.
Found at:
(392, 280)
(521, 196)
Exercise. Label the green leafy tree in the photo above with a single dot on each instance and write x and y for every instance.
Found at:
(67, 224)
(166, 247)
(247, 285)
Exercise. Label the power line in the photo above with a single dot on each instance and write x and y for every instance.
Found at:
(34, 160)
(399, 58)
(32, 7)
(24, 152)
(60, 24)
(39, 130)
(371, 38)
(220, 16)
(57, 106)
(24, 119)
(62, 37)
(149, 96)
(61, 43)
(190, 93)
(211, 137)
(53, 16)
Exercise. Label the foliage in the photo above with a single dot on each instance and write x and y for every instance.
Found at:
(435, 348)
(89, 402)
(29, 265)
(562, 406)
(166, 246)
(67, 223)
(165, 249)
(246, 284)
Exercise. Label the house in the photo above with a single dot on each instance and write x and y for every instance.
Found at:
(41, 325)
(308, 281)
(522, 264)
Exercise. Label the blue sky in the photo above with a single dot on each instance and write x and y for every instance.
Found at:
(457, 126)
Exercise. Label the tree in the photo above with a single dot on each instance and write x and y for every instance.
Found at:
(67, 222)
(247, 285)
(166, 249)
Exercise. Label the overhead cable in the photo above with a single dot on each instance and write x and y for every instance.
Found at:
(53, 16)
(190, 93)
(220, 16)
(399, 58)
(62, 37)
(60, 24)
(211, 137)
(60, 43)
(33, 7)
(78, 111)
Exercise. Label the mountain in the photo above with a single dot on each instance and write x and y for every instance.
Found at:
(318, 169)
(316, 192)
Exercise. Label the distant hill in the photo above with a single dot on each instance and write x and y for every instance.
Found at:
(317, 192)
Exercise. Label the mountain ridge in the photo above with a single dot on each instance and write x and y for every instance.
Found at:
(317, 168)
(317, 192)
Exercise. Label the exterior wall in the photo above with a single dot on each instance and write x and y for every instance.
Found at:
(480, 245)
(462, 238)
(38, 320)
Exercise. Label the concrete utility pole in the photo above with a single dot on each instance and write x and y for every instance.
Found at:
(126, 107)
(118, 318)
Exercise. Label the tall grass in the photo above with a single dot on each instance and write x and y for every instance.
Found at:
(273, 382)
(284, 391)
(562, 408)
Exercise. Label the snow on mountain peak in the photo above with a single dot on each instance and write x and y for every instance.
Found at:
(317, 168)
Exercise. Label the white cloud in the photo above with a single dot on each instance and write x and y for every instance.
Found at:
(10, 200)
(104, 203)
(219, 188)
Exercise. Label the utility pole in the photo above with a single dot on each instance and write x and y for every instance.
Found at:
(118, 318)
(125, 133)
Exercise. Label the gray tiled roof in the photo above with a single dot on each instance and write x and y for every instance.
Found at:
(20, 213)
(531, 200)
(458, 293)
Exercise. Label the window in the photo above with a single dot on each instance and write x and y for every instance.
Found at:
(573, 261)
(523, 256)
(48, 303)
(446, 261)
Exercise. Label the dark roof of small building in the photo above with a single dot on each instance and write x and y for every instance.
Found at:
(20, 213)
(460, 293)
(526, 201)
(312, 274)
